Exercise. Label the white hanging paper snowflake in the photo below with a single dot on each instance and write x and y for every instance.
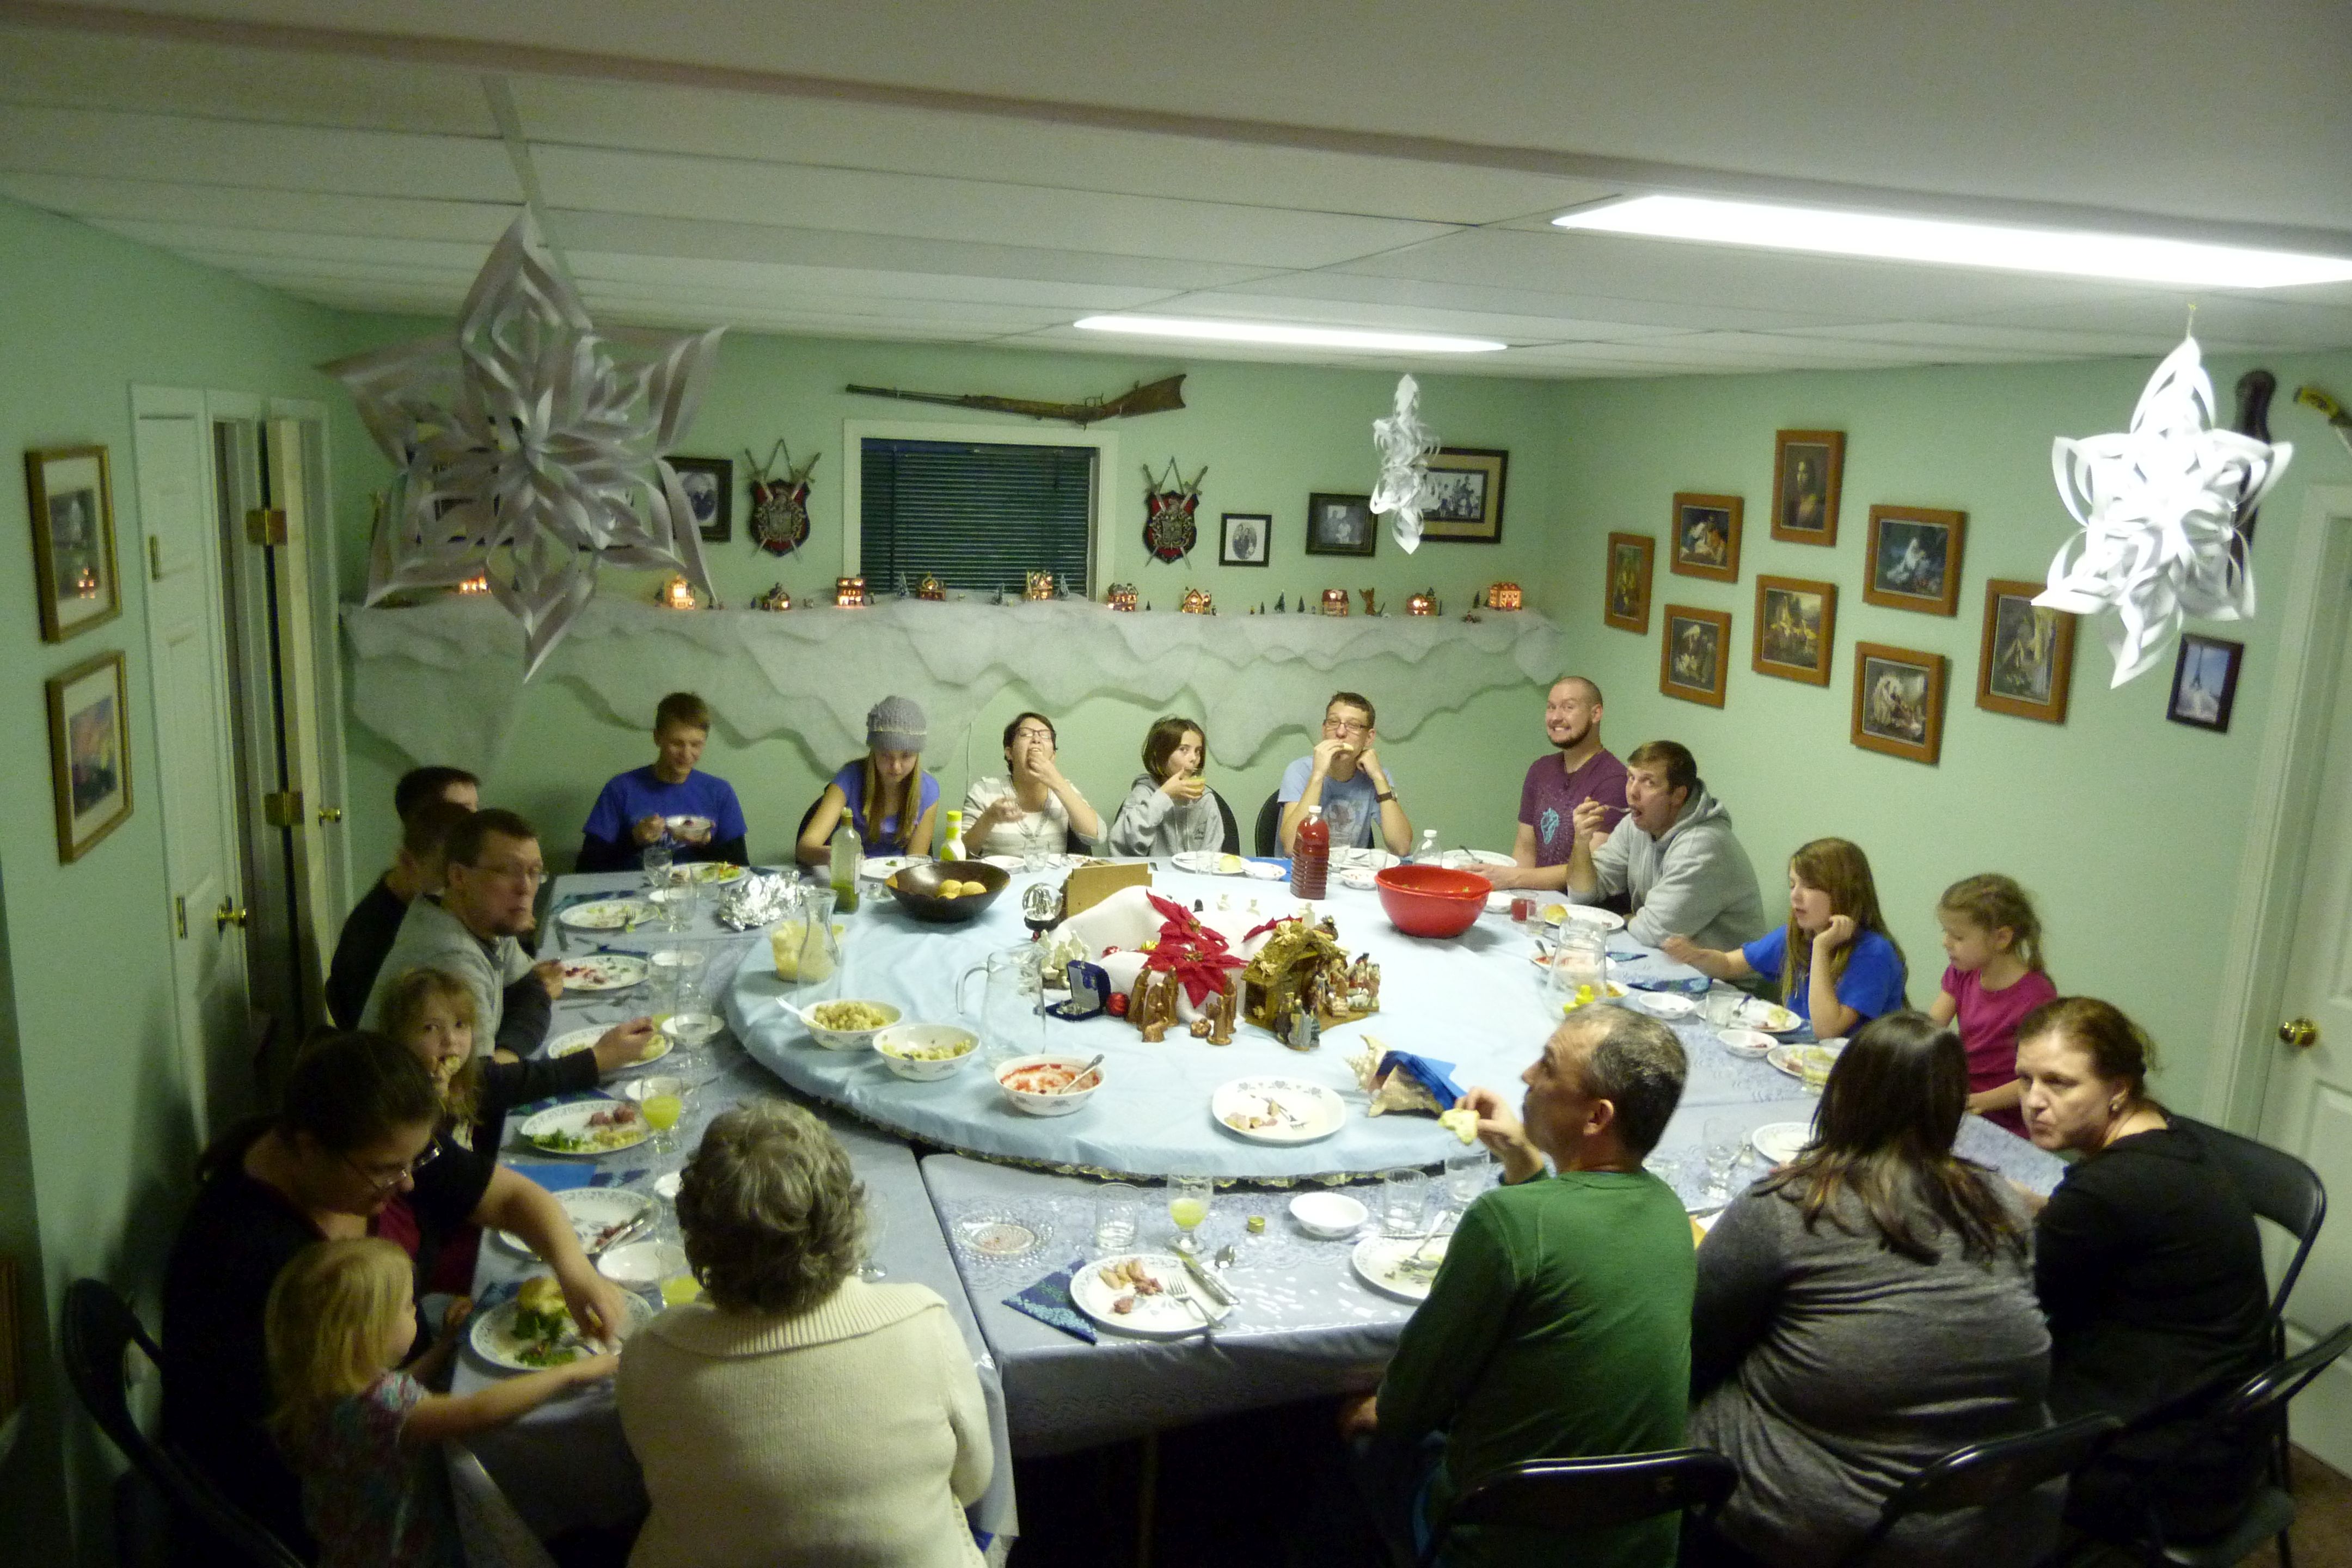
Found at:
(2159, 505)
(1405, 444)
(528, 443)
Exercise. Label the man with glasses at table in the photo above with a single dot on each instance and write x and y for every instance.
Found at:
(1344, 776)
(492, 872)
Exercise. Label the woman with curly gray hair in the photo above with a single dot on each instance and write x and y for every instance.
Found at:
(797, 1414)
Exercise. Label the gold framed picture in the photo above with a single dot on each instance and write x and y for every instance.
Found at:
(1808, 467)
(1626, 605)
(2026, 661)
(71, 501)
(1796, 619)
(1898, 701)
(89, 753)
(1915, 559)
(1696, 657)
(1705, 541)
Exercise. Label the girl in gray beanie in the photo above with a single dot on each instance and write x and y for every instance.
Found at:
(874, 794)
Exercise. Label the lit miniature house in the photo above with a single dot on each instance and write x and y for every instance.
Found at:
(1423, 603)
(1334, 601)
(849, 593)
(1197, 603)
(1040, 586)
(1504, 597)
(1122, 597)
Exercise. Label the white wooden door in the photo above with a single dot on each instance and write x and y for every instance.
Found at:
(2307, 1105)
(314, 822)
(195, 772)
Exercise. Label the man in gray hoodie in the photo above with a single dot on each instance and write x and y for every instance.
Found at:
(1673, 855)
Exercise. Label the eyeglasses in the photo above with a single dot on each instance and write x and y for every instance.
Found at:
(1346, 727)
(383, 1184)
(1035, 734)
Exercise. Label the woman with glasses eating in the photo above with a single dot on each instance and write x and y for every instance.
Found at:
(1031, 808)
(1344, 776)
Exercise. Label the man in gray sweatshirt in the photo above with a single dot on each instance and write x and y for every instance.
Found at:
(1673, 855)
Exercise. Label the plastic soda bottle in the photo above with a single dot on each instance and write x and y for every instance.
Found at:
(846, 847)
(1429, 854)
(1310, 855)
(952, 848)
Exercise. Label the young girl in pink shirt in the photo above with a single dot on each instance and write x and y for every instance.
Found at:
(1993, 940)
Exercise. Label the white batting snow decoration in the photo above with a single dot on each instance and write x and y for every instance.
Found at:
(2158, 506)
(1405, 444)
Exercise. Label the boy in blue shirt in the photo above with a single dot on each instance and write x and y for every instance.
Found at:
(697, 812)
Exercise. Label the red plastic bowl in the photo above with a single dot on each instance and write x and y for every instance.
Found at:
(1431, 901)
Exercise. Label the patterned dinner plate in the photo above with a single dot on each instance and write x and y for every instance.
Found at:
(606, 914)
(604, 971)
(1277, 1110)
(1153, 1312)
(582, 1040)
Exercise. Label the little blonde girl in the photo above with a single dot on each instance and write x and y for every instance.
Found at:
(1838, 964)
(1993, 939)
(361, 1431)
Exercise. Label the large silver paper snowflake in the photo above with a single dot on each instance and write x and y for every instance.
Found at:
(1404, 444)
(528, 444)
(2159, 504)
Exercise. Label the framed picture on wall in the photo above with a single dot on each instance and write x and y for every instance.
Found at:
(1705, 537)
(1898, 701)
(2026, 658)
(1464, 495)
(1915, 559)
(1626, 605)
(72, 506)
(2205, 682)
(1697, 654)
(1795, 621)
(1808, 465)
(1341, 525)
(709, 486)
(89, 753)
(1245, 539)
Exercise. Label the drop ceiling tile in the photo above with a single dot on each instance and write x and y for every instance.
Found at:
(2034, 342)
(330, 249)
(1556, 315)
(2252, 321)
(991, 214)
(759, 279)
(238, 206)
(174, 150)
(1403, 314)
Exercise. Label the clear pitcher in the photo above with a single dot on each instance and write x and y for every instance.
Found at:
(806, 951)
(1580, 958)
(1011, 1017)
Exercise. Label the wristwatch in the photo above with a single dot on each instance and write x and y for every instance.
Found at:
(1384, 797)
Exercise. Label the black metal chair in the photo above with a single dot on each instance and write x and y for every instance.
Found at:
(1570, 1495)
(1269, 823)
(1985, 1473)
(98, 1331)
(1232, 842)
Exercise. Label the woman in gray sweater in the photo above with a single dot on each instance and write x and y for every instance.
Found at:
(1866, 1309)
(1170, 807)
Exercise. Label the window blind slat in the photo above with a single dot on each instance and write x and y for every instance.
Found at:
(977, 516)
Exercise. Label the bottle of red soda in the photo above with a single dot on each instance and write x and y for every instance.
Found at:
(1310, 855)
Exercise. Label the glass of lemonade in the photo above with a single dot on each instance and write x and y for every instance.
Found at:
(1188, 1205)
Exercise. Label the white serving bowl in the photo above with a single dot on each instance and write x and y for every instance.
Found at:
(642, 1265)
(1037, 1104)
(893, 1043)
(846, 1039)
(1331, 1215)
(1749, 1043)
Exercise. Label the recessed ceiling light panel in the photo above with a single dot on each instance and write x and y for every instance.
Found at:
(1209, 330)
(2077, 253)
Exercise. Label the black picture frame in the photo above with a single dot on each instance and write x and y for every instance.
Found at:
(710, 481)
(1465, 491)
(1341, 525)
(2205, 682)
(1250, 545)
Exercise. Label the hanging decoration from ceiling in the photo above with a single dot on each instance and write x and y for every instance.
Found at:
(2159, 505)
(527, 442)
(1405, 444)
(1170, 502)
(780, 522)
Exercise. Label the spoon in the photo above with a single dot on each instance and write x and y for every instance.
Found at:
(1084, 1072)
(1225, 1255)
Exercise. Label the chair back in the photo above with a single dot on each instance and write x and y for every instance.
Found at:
(1982, 1474)
(1568, 1496)
(1269, 821)
(2279, 1187)
(1231, 844)
(2262, 1398)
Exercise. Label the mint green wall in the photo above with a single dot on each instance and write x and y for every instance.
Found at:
(2129, 828)
(98, 1178)
(1268, 436)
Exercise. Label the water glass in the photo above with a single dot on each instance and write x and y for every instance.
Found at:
(656, 858)
(1726, 1137)
(1118, 1210)
(1721, 1006)
(677, 975)
(867, 1269)
(1466, 1176)
(1404, 1201)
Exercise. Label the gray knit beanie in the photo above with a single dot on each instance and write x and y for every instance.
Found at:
(895, 724)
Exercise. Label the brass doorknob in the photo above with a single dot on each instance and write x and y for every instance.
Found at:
(2299, 1033)
(331, 813)
(228, 915)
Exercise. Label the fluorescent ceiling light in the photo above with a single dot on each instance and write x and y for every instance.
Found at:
(2079, 253)
(1280, 332)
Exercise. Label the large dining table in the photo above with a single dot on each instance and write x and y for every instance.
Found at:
(951, 1169)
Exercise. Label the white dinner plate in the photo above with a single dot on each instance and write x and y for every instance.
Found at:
(1153, 1317)
(575, 1120)
(1770, 1017)
(1790, 1059)
(712, 870)
(882, 867)
(1367, 859)
(1377, 1260)
(1463, 859)
(1211, 863)
(665, 1185)
(602, 972)
(1780, 1141)
(606, 914)
(1500, 901)
(1663, 1004)
(1294, 1110)
(495, 1341)
(1594, 915)
(595, 1213)
(642, 1265)
(1264, 872)
(1002, 862)
(581, 1040)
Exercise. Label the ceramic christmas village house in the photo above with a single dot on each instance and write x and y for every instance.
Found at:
(1301, 982)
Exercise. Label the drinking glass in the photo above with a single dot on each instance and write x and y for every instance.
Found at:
(661, 1098)
(677, 975)
(1466, 1176)
(1721, 1007)
(656, 858)
(1119, 1206)
(1404, 1200)
(1724, 1138)
(1188, 1205)
(1580, 958)
(1011, 1020)
(867, 1269)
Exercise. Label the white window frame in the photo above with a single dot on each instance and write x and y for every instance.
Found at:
(1101, 554)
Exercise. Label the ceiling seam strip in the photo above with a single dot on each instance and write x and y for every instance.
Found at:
(500, 98)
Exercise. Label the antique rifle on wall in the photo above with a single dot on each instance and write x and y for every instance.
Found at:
(1159, 397)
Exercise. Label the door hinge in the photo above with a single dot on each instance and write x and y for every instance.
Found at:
(283, 808)
(264, 525)
(154, 559)
(180, 914)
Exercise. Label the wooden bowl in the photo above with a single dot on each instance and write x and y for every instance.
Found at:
(917, 889)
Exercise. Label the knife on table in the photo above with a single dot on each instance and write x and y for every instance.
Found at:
(1213, 1286)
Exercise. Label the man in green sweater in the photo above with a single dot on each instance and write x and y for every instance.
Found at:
(1559, 1325)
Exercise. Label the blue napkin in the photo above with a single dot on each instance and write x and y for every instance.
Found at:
(1048, 1301)
(1427, 1071)
(558, 1178)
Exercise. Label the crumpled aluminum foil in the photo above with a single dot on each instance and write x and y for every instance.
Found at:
(760, 898)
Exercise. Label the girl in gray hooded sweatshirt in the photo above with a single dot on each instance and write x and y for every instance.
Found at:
(1170, 807)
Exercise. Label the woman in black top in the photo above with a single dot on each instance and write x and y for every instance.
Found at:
(2145, 1260)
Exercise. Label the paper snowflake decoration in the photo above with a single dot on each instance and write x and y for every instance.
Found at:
(2159, 504)
(1404, 444)
(528, 444)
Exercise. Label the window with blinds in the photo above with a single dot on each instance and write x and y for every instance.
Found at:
(978, 517)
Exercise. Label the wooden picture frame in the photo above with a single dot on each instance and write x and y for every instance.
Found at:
(1252, 546)
(1341, 525)
(2205, 682)
(1914, 562)
(1625, 589)
(1898, 701)
(1808, 467)
(89, 753)
(69, 493)
(1696, 660)
(2025, 660)
(1704, 541)
(709, 486)
(1463, 494)
(1796, 626)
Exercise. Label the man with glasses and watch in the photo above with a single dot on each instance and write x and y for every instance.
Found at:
(1344, 776)
(492, 875)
